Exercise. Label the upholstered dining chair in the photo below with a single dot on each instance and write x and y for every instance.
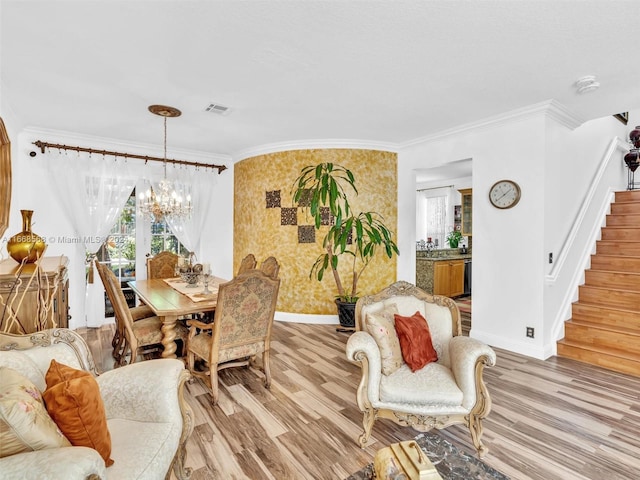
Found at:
(137, 313)
(241, 328)
(141, 336)
(162, 265)
(417, 368)
(270, 267)
(248, 263)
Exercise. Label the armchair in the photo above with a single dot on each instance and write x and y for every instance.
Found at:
(147, 416)
(448, 391)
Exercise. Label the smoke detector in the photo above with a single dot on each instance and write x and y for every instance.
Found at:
(217, 108)
(587, 84)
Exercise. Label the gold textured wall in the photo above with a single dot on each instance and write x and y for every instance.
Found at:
(258, 230)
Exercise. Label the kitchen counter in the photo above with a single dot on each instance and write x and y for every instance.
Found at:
(425, 267)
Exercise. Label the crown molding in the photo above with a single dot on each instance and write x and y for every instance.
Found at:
(313, 144)
(551, 108)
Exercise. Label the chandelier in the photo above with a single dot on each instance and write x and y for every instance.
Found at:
(166, 201)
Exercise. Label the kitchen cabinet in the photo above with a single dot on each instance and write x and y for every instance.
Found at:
(467, 211)
(33, 300)
(448, 278)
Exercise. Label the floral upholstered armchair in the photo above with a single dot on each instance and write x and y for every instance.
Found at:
(448, 389)
(146, 416)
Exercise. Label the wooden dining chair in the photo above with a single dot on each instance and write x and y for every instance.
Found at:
(137, 313)
(248, 263)
(141, 336)
(241, 329)
(270, 267)
(162, 265)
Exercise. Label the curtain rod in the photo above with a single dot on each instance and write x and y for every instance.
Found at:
(434, 188)
(146, 158)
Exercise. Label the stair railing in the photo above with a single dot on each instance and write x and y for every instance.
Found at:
(590, 203)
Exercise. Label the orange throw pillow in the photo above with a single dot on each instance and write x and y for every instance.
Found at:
(73, 401)
(415, 341)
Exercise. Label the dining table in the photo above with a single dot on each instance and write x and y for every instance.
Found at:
(167, 300)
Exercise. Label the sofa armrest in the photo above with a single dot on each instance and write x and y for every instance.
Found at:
(362, 348)
(147, 391)
(467, 356)
(73, 463)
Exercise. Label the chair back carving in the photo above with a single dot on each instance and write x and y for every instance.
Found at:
(162, 265)
(248, 263)
(270, 267)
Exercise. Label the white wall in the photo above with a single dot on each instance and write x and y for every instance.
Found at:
(510, 247)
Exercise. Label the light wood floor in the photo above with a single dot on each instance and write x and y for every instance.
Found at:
(555, 419)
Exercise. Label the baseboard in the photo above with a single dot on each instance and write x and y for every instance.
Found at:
(307, 318)
(505, 343)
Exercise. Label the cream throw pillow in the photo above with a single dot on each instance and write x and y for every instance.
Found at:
(381, 327)
(25, 425)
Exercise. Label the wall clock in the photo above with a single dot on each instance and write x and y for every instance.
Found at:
(504, 194)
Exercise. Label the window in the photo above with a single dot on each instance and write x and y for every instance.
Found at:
(436, 211)
(163, 239)
(119, 251)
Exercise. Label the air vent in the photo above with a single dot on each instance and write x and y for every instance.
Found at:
(217, 108)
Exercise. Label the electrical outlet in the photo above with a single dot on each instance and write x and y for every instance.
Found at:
(550, 257)
(530, 332)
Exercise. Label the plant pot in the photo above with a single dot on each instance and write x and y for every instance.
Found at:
(346, 313)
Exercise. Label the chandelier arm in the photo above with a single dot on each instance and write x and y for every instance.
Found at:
(56, 146)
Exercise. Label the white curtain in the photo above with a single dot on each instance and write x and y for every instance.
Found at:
(198, 183)
(436, 213)
(93, 190)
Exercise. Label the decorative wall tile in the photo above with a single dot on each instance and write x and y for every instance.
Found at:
(288, 216)
(273, 199)
(326, 217)
(306, 234)
(305, 198)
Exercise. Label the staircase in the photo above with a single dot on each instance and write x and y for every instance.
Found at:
(604, 328)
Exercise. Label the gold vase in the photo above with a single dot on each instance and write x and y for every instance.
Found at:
(26, 244)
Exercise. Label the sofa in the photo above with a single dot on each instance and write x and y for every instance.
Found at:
(147, 416)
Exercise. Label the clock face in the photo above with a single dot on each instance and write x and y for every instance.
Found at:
(504, 194)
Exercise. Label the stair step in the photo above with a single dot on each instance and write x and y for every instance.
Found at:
(611, 359)
(604, 315)
(610, 297)
(611, 279)
(623, 233)
(609, 247)
(626, 208)
(623, 220)
(603, 336)
(627, 196)
(617, 263)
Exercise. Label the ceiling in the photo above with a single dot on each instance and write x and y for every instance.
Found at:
(379, 72)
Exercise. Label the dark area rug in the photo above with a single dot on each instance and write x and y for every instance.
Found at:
(451, 462)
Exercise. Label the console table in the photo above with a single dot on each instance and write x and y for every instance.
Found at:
(33, 300)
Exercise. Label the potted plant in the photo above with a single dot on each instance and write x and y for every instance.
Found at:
(323, 190)
(453, 238)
